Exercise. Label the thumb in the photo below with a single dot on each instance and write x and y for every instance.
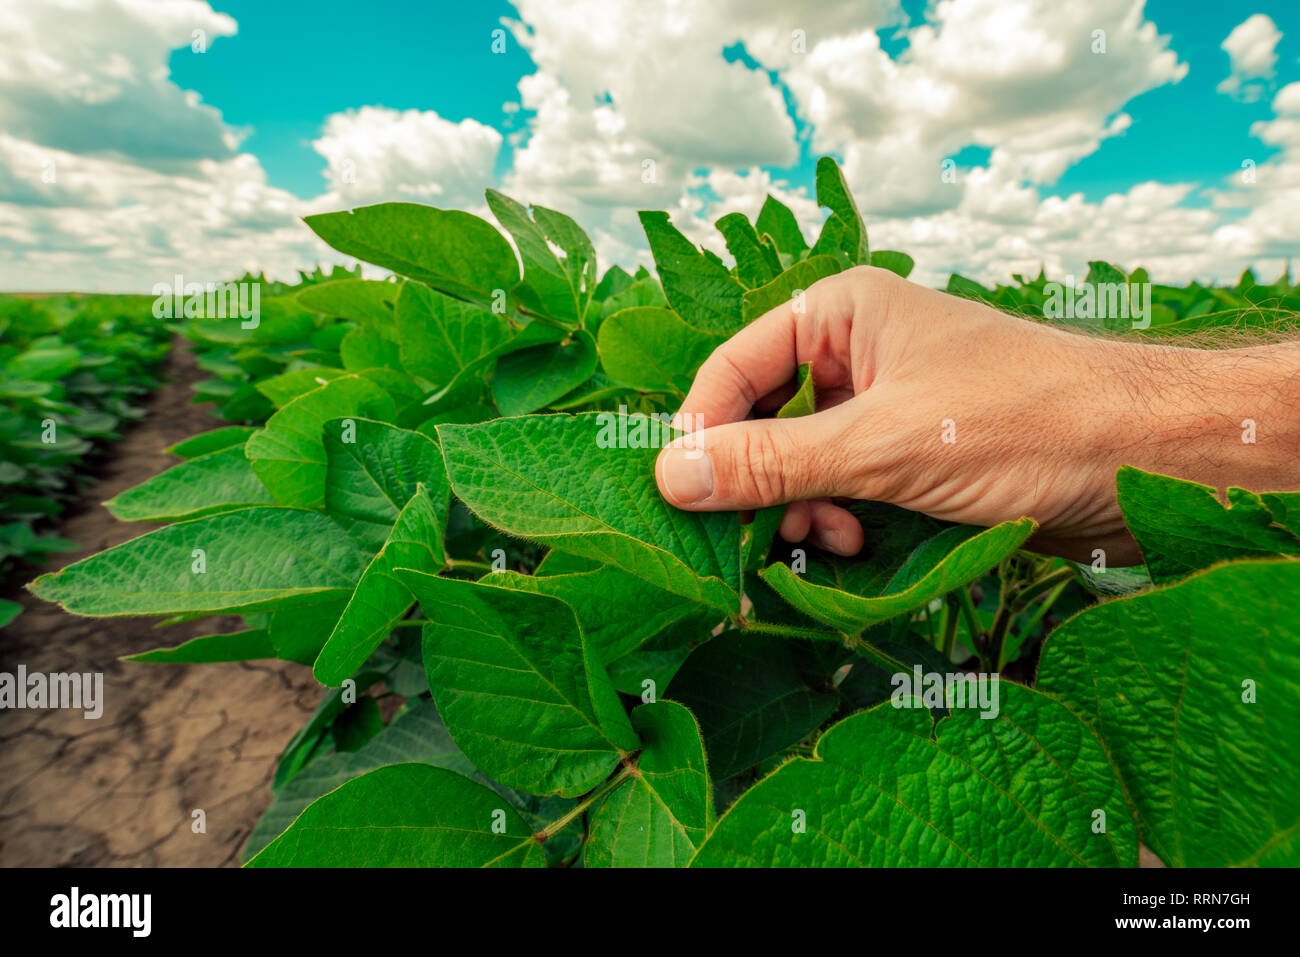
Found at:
(754, 464)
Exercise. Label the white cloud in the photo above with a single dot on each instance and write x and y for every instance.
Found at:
(1252, 57)
(379, 154)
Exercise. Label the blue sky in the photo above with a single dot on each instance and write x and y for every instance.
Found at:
(126, 155)
(406, 54)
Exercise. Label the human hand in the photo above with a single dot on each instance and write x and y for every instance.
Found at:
(949, 407)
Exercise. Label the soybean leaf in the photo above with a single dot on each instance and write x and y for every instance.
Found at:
(248, 645)
(700, 289)
(406, 815)
(652, 350)
(373, 470)
(518, 687)
(289, 454)
(615, 610)
(441, 338)
(850, 613)
(283, 389)
(890, 787)
(381, 598)
(451, 251)
(776, 220)
(752, 265)
(214, 441)
(753, 695)
(833, 193)
(251, 559)
(659, 816)
(300, 751)
(562, 284)
(530, 379)
(369, 348)
(298, 633)
(1181, 527)
(416, 734)
(365, 300)
(574, 482)
(798, 278)
(895, 262)
(216, 482)
(1195, 690)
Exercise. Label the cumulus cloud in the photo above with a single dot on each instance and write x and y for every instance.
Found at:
(1252, 57)
(376, 154)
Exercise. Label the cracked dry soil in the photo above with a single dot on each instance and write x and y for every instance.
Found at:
(121, 790)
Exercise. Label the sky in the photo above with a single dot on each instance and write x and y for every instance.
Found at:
(144, 138)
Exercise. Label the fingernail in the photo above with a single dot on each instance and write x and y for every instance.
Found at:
(832, 541)
(688, 475)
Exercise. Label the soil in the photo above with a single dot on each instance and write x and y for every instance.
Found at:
(122, 790)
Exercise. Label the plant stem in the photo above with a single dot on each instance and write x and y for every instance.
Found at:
(412, 623)
(1025, 596)
(1041, 611)
(972, 616)
(951, 613)
(457, 563)
(790, 631)
(558, 825)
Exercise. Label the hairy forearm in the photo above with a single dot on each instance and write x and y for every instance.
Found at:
(1221, 417)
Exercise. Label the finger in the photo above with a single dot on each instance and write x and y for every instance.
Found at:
(796, 522)
(759, 463)
(835, 529)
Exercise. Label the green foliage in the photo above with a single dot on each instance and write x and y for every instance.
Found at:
(445, 493)
(72, 372)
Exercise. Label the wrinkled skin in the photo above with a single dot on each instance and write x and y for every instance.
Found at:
(951, 408)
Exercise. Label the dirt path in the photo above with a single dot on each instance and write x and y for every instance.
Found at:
(121, 790)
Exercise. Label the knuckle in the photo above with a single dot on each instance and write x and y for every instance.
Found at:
(761, 468)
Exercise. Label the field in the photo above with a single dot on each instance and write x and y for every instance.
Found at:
(435, 492)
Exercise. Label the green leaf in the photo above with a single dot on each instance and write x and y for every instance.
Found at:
(616, 611)
(363, 349)
(530, 379)
(298, 633)
(283, 389)
(416, 734)
(895, 262)
(776, 220)
(1181, 527)
(518, 687)
(365, 300)
(833, 193)
(798, 278)
(753, 697)
(889, 787)
(9, 610)
(658, 817)
(752, 265)
(444, 339)
(701, 291)
(289, 454)
(451, 251)
(851, 614)
(563, 284)
(254, 558)
(652, 350)
(406, 815)
(249, 645)
(1195, 689)
(381, 597)
(216, 482)
(369, 480)
(300, 751)
(214, 441)
(564, 480)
